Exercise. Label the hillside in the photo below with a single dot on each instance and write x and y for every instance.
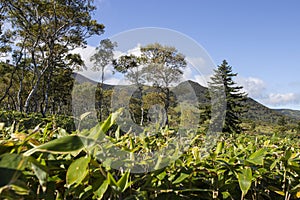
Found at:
(82, 79)
(289, 113)
(259, 112)
(256, 111)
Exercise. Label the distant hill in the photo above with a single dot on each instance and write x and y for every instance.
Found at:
(259, 112)
(256, 111)
(289, 113)
(82, 79)
(200, 91)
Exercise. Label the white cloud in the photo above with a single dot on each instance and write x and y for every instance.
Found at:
(116, 81)
(194, 75)
(109, 77)
(86, 54)
(135, 51)
(254, 87)
(198, 71)
(281, 99)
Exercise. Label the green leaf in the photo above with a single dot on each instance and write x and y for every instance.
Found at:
(276, 190)
(245, 179)
(63, 145)
(162, 175)
(219, 148)
(288, 154)
(257, 157)
(181, 178)
(2, 125)
(273, 165)
(101, 190)
(110, 120)
(11, 166)
(123, 182)
(40, 171)
(20, 188)
(225, 195)
(98, 132)
(77, 171)
(111, 181)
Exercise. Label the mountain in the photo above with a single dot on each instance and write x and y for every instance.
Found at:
(256, 111)
(80, 79)
(259, 112)
(290, 113)
(199, 90)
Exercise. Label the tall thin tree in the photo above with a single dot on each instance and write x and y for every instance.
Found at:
(234, 97)
(101, 59)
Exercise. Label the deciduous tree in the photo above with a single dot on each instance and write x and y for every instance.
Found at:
(101, 59)
(49, 30)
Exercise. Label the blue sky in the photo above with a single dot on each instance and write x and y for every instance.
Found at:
(259, 39)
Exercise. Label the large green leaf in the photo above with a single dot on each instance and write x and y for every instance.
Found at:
(111, 181)
(101, 190)
(11, 166)
(99, 131)
(123, 182)
(181, 178)
(40, 170)
(77, 171)
(257, 157)
(219, 148)
(245, 179)
(63, 145)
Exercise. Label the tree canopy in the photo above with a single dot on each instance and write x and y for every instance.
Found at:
(45, 34)
(158, 66)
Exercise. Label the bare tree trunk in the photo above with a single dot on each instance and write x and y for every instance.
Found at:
(36, 84)
(31, 95)
(142, 104)
(101, 96)
(167, 104)
(46, 103)
(20, 100)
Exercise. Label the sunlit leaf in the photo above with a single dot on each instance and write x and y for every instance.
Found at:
(123, 183)
(101, 190)
(219, 148)
(245, 179)
(257, 157)
(180, 178)
(2, 125)
(61, 145)
(77, 171)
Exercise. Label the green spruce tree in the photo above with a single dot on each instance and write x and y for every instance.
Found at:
(234, 97)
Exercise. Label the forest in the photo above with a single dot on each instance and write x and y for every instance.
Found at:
(65, 136)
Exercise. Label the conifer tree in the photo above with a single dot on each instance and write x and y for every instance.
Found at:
(234, 97)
